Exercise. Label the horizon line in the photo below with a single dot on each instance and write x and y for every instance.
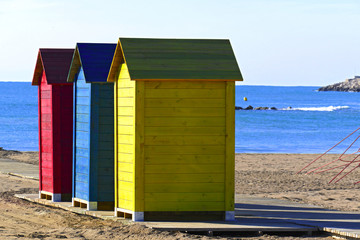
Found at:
(240, 84)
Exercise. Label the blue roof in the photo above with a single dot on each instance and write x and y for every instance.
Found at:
(94, 58)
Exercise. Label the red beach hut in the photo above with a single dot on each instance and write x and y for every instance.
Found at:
(55, 123)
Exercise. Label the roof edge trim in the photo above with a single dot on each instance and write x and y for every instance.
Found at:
(39, 68)
(118, 59)
(74, 66)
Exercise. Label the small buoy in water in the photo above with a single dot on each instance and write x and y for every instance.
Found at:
(245, 99)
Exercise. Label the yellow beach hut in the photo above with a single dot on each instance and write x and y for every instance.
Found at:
(174, 128)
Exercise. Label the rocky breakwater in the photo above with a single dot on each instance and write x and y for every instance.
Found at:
(255, 108)
(349, 85)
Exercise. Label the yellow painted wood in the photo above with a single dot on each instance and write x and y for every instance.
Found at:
(230, 148)
(125, 120)
(126, 186)
(126, 111)
(115, 145)
(182, 159)
(125, 144)
(173, 144)
(125, 176)
(129, 195)
(126, 204)
(184, 121)
(118, 59)
(185, 93)
(126, 93)
(183, 84)
(184, 177)
(125, 157)
(125, 167)
(184, 206)
(185, 145)
(184, 188)
(184, 102)
(126, 102)
(184, 140)
(204, 168)
(185, 131)
(127, 130)
(124, 74)
(139, 148)
(126, 139)
(197, 149)
(126, 148)
(186, 197)
(185, 112)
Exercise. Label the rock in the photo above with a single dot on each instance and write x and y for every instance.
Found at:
(261, 108)
(249, 108)
(349, 85)
(257, 108)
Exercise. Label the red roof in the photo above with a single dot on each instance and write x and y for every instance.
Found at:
(55, 63)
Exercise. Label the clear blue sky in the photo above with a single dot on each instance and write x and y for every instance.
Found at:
(276, 42)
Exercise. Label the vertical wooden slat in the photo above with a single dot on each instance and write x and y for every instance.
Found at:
(116, 142)
(139, 147)
(74, 137)
(90, 132)
(56, 139)
(40, 150)
(230, 147)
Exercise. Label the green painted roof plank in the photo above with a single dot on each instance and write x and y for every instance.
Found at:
(179, 55)
(192, 59)
(186, 74)
(178, 64)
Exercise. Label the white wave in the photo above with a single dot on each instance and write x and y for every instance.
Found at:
(320, 109)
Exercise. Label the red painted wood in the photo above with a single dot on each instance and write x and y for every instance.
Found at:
(66, 99)
(45, 128)
(55, 137)
(40, 138)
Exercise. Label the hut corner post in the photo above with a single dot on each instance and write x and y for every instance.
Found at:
(230, 152)
(39, 120)
(139, 165)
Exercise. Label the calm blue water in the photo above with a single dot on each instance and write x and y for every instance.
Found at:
(317, 121)
(18, 116)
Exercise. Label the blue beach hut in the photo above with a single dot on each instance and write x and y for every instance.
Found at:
(93, 130)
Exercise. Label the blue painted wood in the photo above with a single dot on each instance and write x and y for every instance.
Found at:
(82, 109)
(74, 137)
(94, 139)
(83, 100)
(82, 118)
(94, 126)
(96, 60)
(82, 127)
(81, 177)
(81, 135)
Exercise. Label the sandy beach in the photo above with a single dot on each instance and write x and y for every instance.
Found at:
(262, 175)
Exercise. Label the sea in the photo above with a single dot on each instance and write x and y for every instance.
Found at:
(306, 121)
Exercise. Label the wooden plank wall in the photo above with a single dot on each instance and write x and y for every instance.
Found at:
(82, 137)
(185, 126)
(125, 140)
(66, 135)
(102, 142)
(46, 136)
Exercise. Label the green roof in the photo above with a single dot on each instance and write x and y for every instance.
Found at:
(177, 59)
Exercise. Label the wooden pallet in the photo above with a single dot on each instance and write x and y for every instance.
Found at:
(122, 214)
(46, 195)
(80, 203)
